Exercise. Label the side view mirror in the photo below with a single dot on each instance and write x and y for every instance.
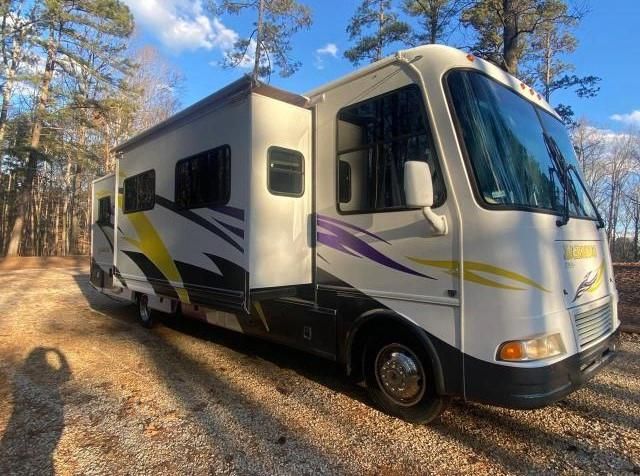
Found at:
(418, 192)
(418, 186)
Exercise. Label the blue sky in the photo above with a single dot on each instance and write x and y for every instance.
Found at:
(195, 42)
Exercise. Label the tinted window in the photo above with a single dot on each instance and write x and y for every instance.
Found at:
(140, 192)
(375, 139)
(286, 172)
(104, 211)
(204, 180)
(579, 202)
(505, 142)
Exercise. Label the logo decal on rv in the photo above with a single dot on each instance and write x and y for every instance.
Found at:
(472, 268)
(591, 282)
(334, 234)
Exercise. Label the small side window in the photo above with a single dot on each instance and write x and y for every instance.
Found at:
(285, 172)
(344, 173)
(140, 192)
(104, 211)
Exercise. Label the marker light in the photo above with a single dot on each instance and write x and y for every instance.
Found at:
(531, 349)
(471, 58)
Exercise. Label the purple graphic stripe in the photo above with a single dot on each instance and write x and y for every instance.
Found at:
(353, 227)
(334, 242)
(345, 242)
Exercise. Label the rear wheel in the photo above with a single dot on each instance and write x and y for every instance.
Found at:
(400, 380)
(145, 314)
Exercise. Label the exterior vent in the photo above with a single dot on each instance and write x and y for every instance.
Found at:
(593, 324)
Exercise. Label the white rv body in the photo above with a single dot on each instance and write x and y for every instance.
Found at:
(323, 270)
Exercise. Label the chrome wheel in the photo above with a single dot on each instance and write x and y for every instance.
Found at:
(400, 374)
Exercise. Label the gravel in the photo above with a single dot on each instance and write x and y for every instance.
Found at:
(85, 390)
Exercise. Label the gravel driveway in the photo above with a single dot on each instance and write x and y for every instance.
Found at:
(85, 390)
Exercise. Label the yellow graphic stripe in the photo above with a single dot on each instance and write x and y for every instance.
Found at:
(472, 268)
(150, 243)
(103, 193)
(599, 279)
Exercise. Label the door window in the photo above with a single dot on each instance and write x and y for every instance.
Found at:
(375, 139)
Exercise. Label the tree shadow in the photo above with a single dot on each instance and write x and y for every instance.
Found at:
(241, 427)
(37, 420)
(320, 370)
(220, 404)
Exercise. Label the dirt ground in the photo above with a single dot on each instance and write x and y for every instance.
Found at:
(85, 390)
(628, 285)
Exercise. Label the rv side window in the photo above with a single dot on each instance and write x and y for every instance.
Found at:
(204, 180)
(140, 192)
(104, 211)
(286, 172)
(375, 139)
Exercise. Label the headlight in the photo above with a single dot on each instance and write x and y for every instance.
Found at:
(531, 349)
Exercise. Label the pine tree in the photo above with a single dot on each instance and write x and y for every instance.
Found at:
(268, 46)
(436, 18)
(65, 28)
(550, 72)
(373, 28)
(504, 28)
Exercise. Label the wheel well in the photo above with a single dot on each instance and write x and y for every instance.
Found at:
(387, 323)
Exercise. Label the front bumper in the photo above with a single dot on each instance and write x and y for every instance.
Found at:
(534, 387)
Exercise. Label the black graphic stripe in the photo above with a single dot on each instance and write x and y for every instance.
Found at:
(194, 217)
(222, 291)
(152, 273)
(234, 275)
(233, 229)
(105, 234)
(234, 212)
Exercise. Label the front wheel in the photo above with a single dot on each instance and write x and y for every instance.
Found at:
(145, 314)
(400, 380)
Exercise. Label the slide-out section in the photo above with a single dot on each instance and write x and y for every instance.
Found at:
(102, 231)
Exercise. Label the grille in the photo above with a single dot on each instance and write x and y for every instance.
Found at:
(593, 324)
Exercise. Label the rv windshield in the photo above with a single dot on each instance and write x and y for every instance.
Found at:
(504, 136)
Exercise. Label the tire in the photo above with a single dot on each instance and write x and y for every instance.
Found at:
(145, 313)
(399, 378)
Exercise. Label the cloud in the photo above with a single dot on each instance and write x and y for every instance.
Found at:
(330, 49)
(182, 24)
(631, 119)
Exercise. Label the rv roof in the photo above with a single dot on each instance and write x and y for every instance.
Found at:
(233, 91)
(445, 56)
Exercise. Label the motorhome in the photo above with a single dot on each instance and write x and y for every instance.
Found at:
(421, 221)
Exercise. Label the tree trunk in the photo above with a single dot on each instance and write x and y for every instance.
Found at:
(510, 36)
(5, 214)
(380, 26)
(24, 196)
(548, 56)
(256, 61)
(433, 30)
(636, 229)
(7, 90)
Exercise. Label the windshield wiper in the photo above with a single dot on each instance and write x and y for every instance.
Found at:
(566, 169)
(593, 205)
(558, 158)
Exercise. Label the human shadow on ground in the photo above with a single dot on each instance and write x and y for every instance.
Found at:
(37, 420)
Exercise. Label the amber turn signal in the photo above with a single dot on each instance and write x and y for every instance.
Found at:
(512, 351)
